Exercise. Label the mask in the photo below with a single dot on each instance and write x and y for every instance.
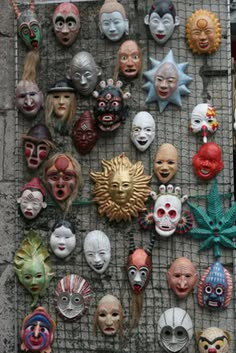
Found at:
(214, 339)
(143, 130)
(175, 330)
(32, 266)
(109, 315)
(167, 209)
(113, 23)
(130, 59)
(62, 239)
(207, 161)
(37, 331)
(72, 297)
(32, 199)
(162, 21)
(203, 32)
(66, 23)
(166, 79)
(84, 134)
(84, 73)
(97, 250)
(29, 99)
(110, 110)
(182, 277)
(37, 145)
(215, 287)
(120, 183)
(166, 162)
(203, 120)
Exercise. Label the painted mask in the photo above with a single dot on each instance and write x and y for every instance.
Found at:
(167, 209)
(166, 82)
(182, 277)
(203, 120)
(166, 162)
(207, 162)
(175, 330)
(162, 20)
(113, 22)
(110, 110)
(130, 59)
(66, 23)
(119, 184)
(109, 315)
(32, 267)
(203, 32)
(28, 98)
(84, 134)
(37, 145)
(28, 26)
(84, 72)
(62, 175)
(97, 250)
(143, 130)
(32, 199)
(72, 297)
(62, 239)
(37, 331)
(215, 287)
(214, 339)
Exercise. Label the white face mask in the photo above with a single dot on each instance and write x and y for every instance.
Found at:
(97, 250)
(62, 241)
(31, 202)
(143, 130)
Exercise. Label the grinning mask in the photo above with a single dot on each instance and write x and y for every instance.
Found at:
(143, 130)
(166, 162)
(130, 59)
(62, 239)
(28, 98)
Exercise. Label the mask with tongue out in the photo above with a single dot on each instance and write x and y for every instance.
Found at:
(143, 130)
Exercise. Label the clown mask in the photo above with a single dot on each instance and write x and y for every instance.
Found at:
(72, 297)
(213, 339)
(143, 130)
(97, 250)
(28, 98)
(37, 331)
(130, 59)
(207, 162)
(66, 23)
(182, 277)
(166, 162)
(62, 239)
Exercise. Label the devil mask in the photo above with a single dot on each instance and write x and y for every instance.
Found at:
(72, 297)
(37, 331)
(28, 98)
(143, 130)
(62, 239)
(213, 339)
(66, 23)
(84, 134)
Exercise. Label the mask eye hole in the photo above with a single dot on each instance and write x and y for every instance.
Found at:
(161, 212)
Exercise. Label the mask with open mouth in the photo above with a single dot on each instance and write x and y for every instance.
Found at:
(166, 162)
(129, 59)
(143, 130)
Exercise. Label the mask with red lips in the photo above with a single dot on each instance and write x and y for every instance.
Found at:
(28, 98)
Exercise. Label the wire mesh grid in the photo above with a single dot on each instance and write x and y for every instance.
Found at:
(211, 82)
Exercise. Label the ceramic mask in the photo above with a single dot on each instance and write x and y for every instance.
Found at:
(28, 98)
(207, 162)
(143, 130)
(113, 22)
(203, 32)
(203, 120)
(72, 297)
(214, 339)
(175, 330)
(62, 239)
(167, 209)
(109, 315)
(182, 277)
(166, 80)
(97, 250)
(66, 23)
(37, 145)
(84, 134)
(32, 199)
(215, 287)
(166, 162)
(37, 331)
(84, 73)
(130, 59)
(162, 20)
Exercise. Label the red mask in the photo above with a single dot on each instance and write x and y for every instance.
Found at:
(207, 161)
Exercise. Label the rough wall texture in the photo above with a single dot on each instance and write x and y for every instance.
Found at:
(211, 80)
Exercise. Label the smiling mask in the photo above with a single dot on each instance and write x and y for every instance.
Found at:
(142, 130)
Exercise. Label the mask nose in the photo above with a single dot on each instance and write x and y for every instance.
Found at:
(37, 330)
(65, 29)
(28, 99)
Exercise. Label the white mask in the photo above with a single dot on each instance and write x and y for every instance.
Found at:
(97, 250)
(62, 241)
(31, 202)
(143, 130)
